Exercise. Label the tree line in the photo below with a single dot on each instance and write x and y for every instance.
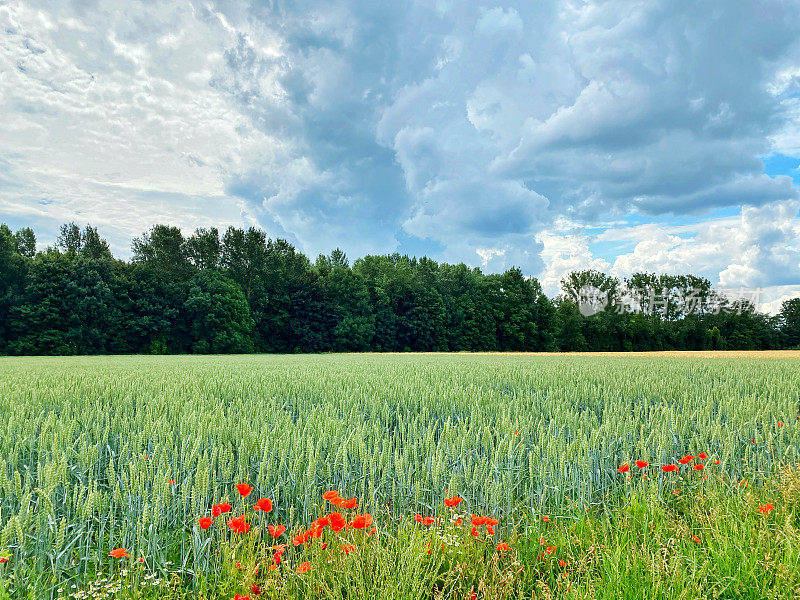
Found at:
(242, 292)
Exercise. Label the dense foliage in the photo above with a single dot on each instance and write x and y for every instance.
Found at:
(241, 292)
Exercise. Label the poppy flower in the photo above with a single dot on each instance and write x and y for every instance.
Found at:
(546, 519)
(669, 468)
(337, 521)
(490, 530)
(299, 540)
(240, 597)
(3, 560)
(780, 423)
(119, 553)
(361, 521)
(238, 525)
(550, 550)
(491, 521)
(263, 504)
(304, 567)
(171, 482)
(676, 492)
(702, 456)
(351, 503)
(686, 459)
(244, 489)
(205, 522)
(255, 589)
(458, 522)
(330, 495)
(716, 462)
(451, 502)
(503, 547)
(219, 509)
(140, 559)
(427, 521)
(478, 521)
(474, 532)
(699, 467)
(276, 558)
(276, 530)
(766, 509)
(642, 463)
(372, 532)
(696, 539)
(347, 549)
(418, 518)
(624, 468)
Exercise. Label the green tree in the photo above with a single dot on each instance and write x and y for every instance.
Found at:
(217, 315)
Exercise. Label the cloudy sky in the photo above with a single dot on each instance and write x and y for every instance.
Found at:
(623, 135)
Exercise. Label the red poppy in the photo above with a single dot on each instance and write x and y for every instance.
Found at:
(503, 547)
(699, 467)
(427, 521)
(474, 532)
(263, 504)
(546, 519)
(276, 530)
(458, 522)
(624, 468)
(478, 521)
(244, 489)
(669, 468)
(686, 459)
(418, 518)
(119, 553)
(550, 550)
(642, 463)
(702, 456)
(240, 597)
(330, 495)
(171, 482)
(372, 532)
(492, 521)
(361, 521)
(451, 502)
(562, 563)
(219, 509)
(490, 530)
(255, 589)
(696, 539)
(351, 503)
(205, 522)
(299, 540)
(337, 521)
(304, 567)
(766, 509)
(347, 549)
(238, 525)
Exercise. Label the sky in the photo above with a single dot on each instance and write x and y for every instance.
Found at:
(556, 135)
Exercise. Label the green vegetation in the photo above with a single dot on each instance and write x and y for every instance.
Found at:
(240, 293)
(90, 448)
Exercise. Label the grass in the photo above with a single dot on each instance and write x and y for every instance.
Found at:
(89, 447)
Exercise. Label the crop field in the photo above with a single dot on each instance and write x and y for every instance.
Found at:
(129, 452)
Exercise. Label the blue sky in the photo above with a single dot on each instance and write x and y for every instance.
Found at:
(553, 135)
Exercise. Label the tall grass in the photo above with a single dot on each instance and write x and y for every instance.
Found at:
(88, 446)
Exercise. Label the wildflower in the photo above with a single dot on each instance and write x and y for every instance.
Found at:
(478, 521)
(361, 521)
(3, 560)
(669, 468)
(345, 549)
(244, 489)
(676, 492)
(255, 589)
(330, 495)
(276, 530)
(474, 532)
(516, 432)
(351, 503)
(624, 468)
(276, 558)
(550, 550)
(542, 541)
(238, 525)
(702, 456)
(140, 559)
(686, 459)
(418, 518)
(642, 463)
(562, 563)
(240, 597)
(491, 521)
(473, 595)
(263, 504)
(119, 553)
(696, 539)
(699, 467)
(171, 482)
(372, 532)
(304, 567)
(427, 521)
(546, 519)
(336, 521)
(780, 423)
(219, 509)
(299, 540)
(205, 522)
(716, 462)
(451, 502)
(490, 530)
(765, 509)
(458, 522)
(503, 547)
